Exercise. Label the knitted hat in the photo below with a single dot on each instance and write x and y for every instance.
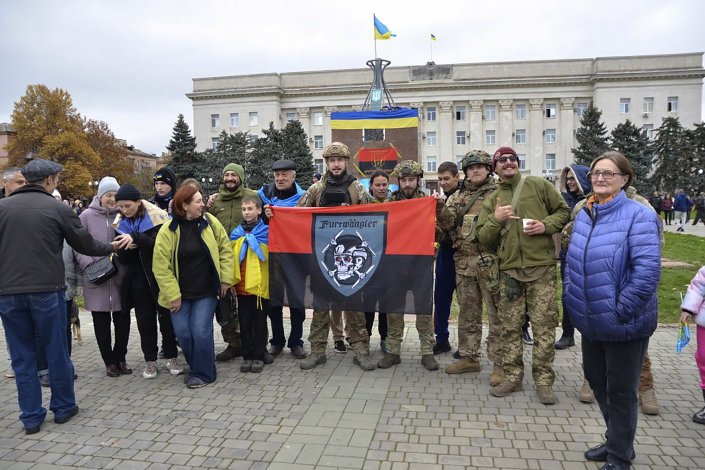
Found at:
(502, 151)
(238, 169)
(127, 192)
(107, 184)
(166, 174)
(38, 169)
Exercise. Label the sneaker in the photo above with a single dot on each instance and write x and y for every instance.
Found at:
(340, 347)
(564, 343)
(275, 350)
(364, 362)
(268, 358)
(150, 370)
(699, 417)
(257, 366)
(228, 354)
(44, 380)
(383, 346)
(31, 429)
(313, 361)
(546, 395)
(506, 388)
(67, 417)
(649, 403)
(195, 382)
(586, 395)
(174, 367)
(526, 337)
(465, 364)
(298, 352)
(246, 366)
(429, 362)
(388, 361)
(10, 374)
(441, 347)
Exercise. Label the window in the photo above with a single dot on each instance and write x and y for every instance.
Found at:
(489, 112)
(431, 113)
(318, 119)
(430, 138)
(215, 120)
(489, 138)
(234, 119)
(520, 135)
(648, 105)
(522, 161)
(520, 111)
(318, 163)
(214, 143)
(550, 136)
(460, 113)
(648, 130)
(372, 135)
(580, 109)
(550, 161)
(254, 119)
(460, 137)
(290, 117)
(624, 105)
(318, 142)
(551, 111)
(672, 104)
(431, 163)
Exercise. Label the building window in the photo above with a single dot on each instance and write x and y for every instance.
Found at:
(460, 113)
(430, 138)
(551, 111)
(489, 138)
(522, 161)
(431, 163)
(318, 163)
(520, 111)
(648, 130)
(372, 135)
(489, 112)
(318, 142)
(520, 136)
(234, 119)
(648, 105)
(290, 117)
(214, 143)
(550, 136)
(672, 104)
(318, 119)
(215, 120)
(580, 109)
(254, 119)
(624, 105)
(460, 137)
(431, 113)
(550, 161)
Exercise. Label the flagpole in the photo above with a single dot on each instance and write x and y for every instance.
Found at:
(373, 33)
(431, 41)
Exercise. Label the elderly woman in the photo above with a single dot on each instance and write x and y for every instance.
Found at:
(194, 266)
(612, 273)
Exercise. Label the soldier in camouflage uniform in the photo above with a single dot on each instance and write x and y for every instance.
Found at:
(527, 267)
(336, 188)
(409, 174)
(458, 217)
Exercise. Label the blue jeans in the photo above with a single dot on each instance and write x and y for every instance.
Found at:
(443, 292)
(40, 314)
(193, 325)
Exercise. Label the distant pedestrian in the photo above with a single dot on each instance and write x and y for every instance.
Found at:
(699, 208)
(681, 208)
(667, 208)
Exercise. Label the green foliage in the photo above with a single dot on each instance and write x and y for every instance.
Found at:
(265, 151)
(633, 144)
(592, 137)
(696, 140)
(295, 147)
(672, 158)
(182, 146)
(231, 148)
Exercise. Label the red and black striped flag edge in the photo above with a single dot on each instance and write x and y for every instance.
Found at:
(365, 258)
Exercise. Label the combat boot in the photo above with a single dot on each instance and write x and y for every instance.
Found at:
(546, 395)
(465, 364)
(497, 375)
(586, 395)
(388, 361)
(649, 403)
(228, 354)
(429, 362)
(363, 360)
(506, 387)
(312, 361)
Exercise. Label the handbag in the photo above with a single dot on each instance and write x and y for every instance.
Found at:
(226, 310)
(101, 270)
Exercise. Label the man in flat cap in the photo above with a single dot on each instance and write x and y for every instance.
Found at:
(33, 226)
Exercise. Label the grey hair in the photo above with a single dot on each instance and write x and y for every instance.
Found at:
(10, 172)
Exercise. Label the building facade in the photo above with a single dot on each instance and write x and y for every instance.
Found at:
(533, 106)
(7, 133)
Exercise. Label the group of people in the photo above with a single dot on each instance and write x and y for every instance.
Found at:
(679, 208)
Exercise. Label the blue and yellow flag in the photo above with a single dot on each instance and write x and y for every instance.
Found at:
(433, 37)
(399, 118)
(381, 31)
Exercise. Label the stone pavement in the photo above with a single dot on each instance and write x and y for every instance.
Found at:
(336, 416)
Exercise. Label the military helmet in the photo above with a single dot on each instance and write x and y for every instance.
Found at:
(476, 157)
(336, 149)
(408, 168)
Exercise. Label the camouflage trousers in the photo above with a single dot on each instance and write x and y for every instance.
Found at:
(471, 294)
(231, 332)
(395, 333)
(538, 300)
(354, 324)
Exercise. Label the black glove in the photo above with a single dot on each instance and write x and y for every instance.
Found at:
(514, 289)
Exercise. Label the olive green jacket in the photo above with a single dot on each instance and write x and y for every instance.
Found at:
(228, 207)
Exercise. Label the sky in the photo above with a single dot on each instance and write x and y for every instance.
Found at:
(131, 63)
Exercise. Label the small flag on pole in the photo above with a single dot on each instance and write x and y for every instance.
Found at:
(433, 37)
(381, 31)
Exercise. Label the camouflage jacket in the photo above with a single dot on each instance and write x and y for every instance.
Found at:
(461, 229)
(398, 196)
(312, 196)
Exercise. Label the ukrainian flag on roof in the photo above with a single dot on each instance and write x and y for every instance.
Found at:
(387, 119)
(381, 31)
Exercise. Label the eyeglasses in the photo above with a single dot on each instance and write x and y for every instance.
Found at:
(511, 158)
(570, 178)
(607, 174)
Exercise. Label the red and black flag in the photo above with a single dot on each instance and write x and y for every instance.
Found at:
(365, 258)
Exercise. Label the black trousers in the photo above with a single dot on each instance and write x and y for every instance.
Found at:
(146, 312)
(613, 370)
(276, 318)
(253, 326)
(112, 354)
(381, 324)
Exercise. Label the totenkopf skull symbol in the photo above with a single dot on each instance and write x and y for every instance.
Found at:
(351, 259)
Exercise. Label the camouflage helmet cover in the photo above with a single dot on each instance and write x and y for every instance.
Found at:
(475, 157)
(408, 168)
(336, 149)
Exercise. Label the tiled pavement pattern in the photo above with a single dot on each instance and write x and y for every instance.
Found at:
(336, 416)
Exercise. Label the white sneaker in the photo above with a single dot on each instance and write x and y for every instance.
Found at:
(174, 367)
(10, 374)
(150, 370)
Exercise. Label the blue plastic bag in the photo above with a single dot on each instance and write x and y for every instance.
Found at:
(683, 337)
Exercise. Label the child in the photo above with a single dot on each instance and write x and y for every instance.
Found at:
(694, 305)
(250, 240)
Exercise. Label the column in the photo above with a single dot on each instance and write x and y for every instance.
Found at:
(535, 138)
(444, 142)
(564, 139)
(506, 123)
(327, 134)
(477, 140)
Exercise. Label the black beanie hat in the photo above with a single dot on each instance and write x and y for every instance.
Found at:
(127, 192)
(166, 174)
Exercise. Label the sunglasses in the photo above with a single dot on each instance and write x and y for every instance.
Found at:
(510, 158)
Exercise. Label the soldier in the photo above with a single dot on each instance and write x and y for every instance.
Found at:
(336, 188)
(409, 174)
(518, 220)
(459, 217)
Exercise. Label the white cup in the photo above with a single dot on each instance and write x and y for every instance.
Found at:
(525, 223)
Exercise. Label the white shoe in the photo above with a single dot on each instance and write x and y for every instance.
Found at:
(174, 367)
(150, 370)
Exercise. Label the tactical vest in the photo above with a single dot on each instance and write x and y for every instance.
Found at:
(349, 195)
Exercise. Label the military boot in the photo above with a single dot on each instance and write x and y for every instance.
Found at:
(546, 395)
(586, 395)
(388, 361)
(429, 362)
(506, 387)
(649, 403)
(363, 360)
(312, 361)
(465, 364)
(228, 354)
(497, 375)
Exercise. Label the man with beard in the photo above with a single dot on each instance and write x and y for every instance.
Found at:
(226, 206)
(336, 188)
(518, 220)
(165, 187)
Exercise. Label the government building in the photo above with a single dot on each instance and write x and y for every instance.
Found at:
(534, 106)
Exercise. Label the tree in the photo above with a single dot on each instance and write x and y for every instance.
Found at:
(632, 142)
(696, 138)
(671, 158)
(295, 147)
(265, 151)
(182, 145)
(113, 155)
(592, 137)
(231, 148)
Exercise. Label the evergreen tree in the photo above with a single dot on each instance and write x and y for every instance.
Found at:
(295, 147)
(182, 145)
(231, 148)
(632, 142)
(696, 137)
(592, 137)
(671, 158)
(265, 151)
